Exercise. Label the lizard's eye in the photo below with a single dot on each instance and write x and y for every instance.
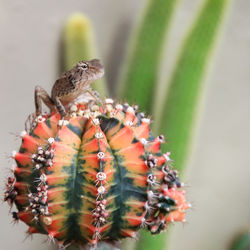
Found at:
(83, 66)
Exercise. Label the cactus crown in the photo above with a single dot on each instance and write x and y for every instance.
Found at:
(98, 176)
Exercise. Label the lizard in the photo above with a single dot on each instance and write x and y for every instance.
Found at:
(67, 88)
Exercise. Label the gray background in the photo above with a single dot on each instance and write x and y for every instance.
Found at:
(219, 164)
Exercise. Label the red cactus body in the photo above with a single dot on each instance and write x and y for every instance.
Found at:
(99, 176)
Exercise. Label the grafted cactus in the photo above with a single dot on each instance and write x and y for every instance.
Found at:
(98, 176)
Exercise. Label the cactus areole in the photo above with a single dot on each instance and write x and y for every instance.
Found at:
(98, 175)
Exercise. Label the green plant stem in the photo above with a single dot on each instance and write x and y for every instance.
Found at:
(142, 65)
(180, 106)
(242, 242)
(185, 86)
(79, 44)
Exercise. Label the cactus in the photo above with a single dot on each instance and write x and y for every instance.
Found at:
(97, 176)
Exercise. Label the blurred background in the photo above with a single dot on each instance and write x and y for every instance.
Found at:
(217, 165)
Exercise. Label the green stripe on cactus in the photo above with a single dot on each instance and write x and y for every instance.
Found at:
(79, 44)
(119, 204)
(73, 187)
(72, 225)
(123, 188)
(141, 68)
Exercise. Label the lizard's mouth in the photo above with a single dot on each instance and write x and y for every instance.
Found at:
(100, 73)
(97, 68)
(97, 73)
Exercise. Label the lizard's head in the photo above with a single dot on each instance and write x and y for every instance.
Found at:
(89, 70)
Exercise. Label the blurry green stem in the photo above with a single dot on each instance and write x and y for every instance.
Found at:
(79, 44)
(142, 65)
(179, 109)
(185, 86)
(242, 242)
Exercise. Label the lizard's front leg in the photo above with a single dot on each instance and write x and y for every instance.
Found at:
(95, 95)
(42, 95)
(60, 107)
